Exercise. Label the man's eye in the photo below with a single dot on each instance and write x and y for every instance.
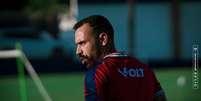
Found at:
(81, 43)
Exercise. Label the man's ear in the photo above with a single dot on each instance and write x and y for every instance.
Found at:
(103, 38)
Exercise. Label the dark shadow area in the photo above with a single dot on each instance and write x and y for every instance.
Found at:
(9, 66)
(63, 65)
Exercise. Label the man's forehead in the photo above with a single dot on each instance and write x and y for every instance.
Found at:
(79, 36)
(82, 33)
(85, 28)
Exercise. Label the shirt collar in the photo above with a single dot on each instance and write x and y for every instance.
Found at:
(116, 54)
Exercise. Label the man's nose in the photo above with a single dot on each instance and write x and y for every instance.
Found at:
(78, 51)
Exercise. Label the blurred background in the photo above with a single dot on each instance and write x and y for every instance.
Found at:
(160, 33)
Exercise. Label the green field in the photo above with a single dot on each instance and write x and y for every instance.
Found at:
(69, 86)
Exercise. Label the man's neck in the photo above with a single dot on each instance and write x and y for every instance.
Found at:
(106, 52)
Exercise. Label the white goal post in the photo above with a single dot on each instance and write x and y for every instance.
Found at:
(6, 54)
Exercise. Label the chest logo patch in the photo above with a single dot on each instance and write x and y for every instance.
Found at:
(131, 72)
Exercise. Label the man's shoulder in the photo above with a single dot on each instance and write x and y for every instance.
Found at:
(121, 60)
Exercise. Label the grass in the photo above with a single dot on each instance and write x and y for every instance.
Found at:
(69, 86)
(174, 92)
(61, 87)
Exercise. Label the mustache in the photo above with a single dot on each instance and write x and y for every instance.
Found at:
(81, 57)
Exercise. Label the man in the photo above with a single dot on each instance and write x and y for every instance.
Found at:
(111, 75)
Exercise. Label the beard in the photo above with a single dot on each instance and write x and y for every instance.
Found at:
(87, 60)
(84, 59)
(90, 59)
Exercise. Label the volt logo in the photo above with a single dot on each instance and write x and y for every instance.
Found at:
(131, 72)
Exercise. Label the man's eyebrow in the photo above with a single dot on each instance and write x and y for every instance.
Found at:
(80, 42)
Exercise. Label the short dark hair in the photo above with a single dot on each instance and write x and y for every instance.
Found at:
(99, 24)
